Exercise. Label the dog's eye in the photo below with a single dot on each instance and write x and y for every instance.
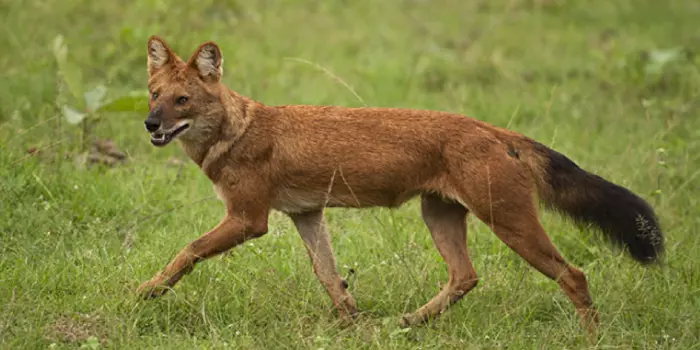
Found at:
(181, 100)
(154, 95)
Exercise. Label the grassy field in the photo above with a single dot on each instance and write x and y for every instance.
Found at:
(612, 84)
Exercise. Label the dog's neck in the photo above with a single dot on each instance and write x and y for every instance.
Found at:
(234, 120)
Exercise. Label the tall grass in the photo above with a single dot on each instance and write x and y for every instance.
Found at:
(614, 85)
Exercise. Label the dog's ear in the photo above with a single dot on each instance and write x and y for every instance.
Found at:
(159, 55)
(208, 61)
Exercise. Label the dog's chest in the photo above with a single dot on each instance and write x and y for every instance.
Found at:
(219, 193)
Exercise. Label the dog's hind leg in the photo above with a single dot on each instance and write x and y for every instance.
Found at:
(530, 241)
(447, 224)
(313, 231)
(512, 216)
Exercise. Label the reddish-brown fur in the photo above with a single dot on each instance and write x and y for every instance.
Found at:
(301, 159)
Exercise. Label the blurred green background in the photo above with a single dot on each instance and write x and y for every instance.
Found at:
(89, 209)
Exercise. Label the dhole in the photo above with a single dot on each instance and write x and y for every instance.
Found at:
(302, 159)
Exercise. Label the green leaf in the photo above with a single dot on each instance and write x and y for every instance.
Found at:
(60, 50)
(72, 116)
(658, 59)
(70, 73)
(91, 343)
(133, 102)
(94, 98)
(399, 331)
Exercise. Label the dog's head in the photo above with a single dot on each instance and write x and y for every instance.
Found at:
(185, 97)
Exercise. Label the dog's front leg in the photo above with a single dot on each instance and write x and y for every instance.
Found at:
(313, 231)
(230, 232)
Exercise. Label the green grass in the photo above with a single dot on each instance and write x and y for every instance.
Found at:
(584, 77)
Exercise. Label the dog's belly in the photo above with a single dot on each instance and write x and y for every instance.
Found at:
(294, 201)
(290, 201)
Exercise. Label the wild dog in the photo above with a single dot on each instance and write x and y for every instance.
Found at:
(302, 159)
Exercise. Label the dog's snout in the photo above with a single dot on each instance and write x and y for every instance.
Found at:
(152, 125)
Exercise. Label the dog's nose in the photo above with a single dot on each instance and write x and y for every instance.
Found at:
(152, 125)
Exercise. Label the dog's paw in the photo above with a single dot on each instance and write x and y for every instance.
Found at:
(152, 288)
(408, 320)
(349, 319)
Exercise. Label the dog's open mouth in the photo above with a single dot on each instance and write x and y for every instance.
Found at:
(161, 139)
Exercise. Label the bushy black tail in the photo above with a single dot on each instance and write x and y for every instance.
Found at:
(625, 218)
